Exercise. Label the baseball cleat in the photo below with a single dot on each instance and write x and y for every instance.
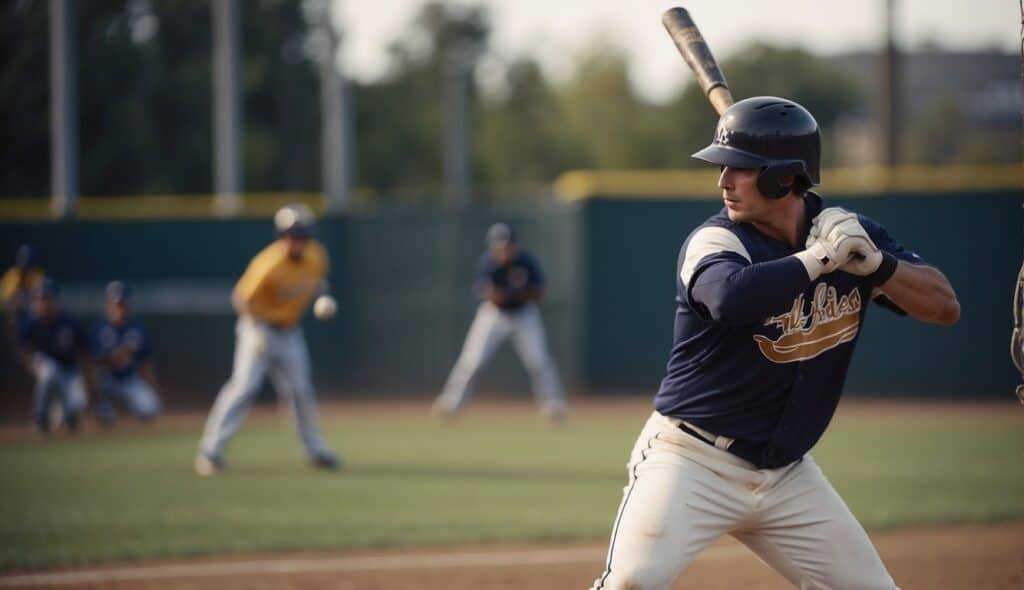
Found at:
(207, 466)
(327, 462)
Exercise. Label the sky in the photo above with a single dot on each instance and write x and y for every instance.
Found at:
(554, 31)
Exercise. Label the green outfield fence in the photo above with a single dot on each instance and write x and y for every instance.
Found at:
(403, 278)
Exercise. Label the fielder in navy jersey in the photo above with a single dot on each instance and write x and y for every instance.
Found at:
(771, 296)
(124, 359)
(55, 350)
(510, 282)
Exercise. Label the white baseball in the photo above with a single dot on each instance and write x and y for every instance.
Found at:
(325, 307)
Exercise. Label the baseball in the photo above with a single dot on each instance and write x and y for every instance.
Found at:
(324, 307)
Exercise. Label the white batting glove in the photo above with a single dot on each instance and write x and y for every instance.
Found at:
(849, 235)
(828, 218)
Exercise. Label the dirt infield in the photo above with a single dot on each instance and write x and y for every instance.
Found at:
(976, 558)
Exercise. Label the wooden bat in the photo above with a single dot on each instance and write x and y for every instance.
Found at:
(695, 51)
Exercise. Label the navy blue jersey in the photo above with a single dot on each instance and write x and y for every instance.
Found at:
(515, 278)
(760, 351)
(61, 339)
(122, 348)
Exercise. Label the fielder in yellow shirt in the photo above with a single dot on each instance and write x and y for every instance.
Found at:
(17, 285)
(270, 299)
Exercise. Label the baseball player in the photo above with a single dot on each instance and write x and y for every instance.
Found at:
(123, 358)
(17, 285)
(771, 296)
(510, 283)
(55, 350)
(270, 298)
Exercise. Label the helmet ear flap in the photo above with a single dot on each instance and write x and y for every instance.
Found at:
(770, 181)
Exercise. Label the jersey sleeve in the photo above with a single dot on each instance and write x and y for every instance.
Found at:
(256, 274)
(721, 284)
(9, 284)
(885, 242)
(536, 278)
(484, 268)
(96, 346)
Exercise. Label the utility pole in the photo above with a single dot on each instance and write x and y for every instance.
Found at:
(227, 108)
(63, 110)
(890, 94)
(335, 105)
(457, 150)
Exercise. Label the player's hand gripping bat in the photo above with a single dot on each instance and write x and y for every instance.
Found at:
(695, 51)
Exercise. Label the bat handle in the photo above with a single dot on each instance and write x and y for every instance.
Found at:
(720, 98)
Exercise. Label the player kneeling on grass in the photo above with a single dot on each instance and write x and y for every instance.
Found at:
(510, 283)
(55, 350)
(124, 366)
(771, 294)
(270, 299)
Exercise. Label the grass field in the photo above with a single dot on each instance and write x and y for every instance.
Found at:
(498, 475)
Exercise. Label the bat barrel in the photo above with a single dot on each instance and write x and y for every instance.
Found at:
(695, 52)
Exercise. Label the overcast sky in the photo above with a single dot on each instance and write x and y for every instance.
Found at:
(553, 31)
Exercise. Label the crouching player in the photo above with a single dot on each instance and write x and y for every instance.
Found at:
(124, 366)
(55, 350)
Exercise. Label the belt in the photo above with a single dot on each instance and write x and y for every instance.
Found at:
(747, 451)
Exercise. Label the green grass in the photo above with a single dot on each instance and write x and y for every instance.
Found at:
(411, 482)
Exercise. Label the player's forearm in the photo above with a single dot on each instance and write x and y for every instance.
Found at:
(739, 295)
(924, 293)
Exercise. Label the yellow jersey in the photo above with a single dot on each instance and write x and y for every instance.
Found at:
(276, 288)
(16, 290)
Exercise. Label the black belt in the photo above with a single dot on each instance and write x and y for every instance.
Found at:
(751, 453)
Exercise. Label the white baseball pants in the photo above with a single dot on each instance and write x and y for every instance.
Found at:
(490, 328)
(133, 391)
(683, 493)
(259, 350)
(56, 385)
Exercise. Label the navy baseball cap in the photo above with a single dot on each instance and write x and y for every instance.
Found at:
(500, 234)
(48, 287)
(25, 256)
(118, 292)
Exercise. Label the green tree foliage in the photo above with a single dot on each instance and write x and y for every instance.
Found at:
(399, 120)
(144, 76)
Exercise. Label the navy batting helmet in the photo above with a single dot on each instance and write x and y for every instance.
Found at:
(774, 134)
(296, 219)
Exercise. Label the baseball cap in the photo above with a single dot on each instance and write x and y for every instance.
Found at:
(118, 292)
(500, 234)
(296, 219)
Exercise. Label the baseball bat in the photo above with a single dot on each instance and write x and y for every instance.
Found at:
(695, 51)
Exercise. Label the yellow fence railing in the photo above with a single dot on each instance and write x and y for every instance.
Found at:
(698, 183)
(867, 181)
(158, 206)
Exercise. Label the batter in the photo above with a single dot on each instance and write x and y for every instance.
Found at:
(771, 296)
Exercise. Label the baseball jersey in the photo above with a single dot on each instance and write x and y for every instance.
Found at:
(760, 352)
(121, 349)
(514, 278)
(277, 288)
(61, 338)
